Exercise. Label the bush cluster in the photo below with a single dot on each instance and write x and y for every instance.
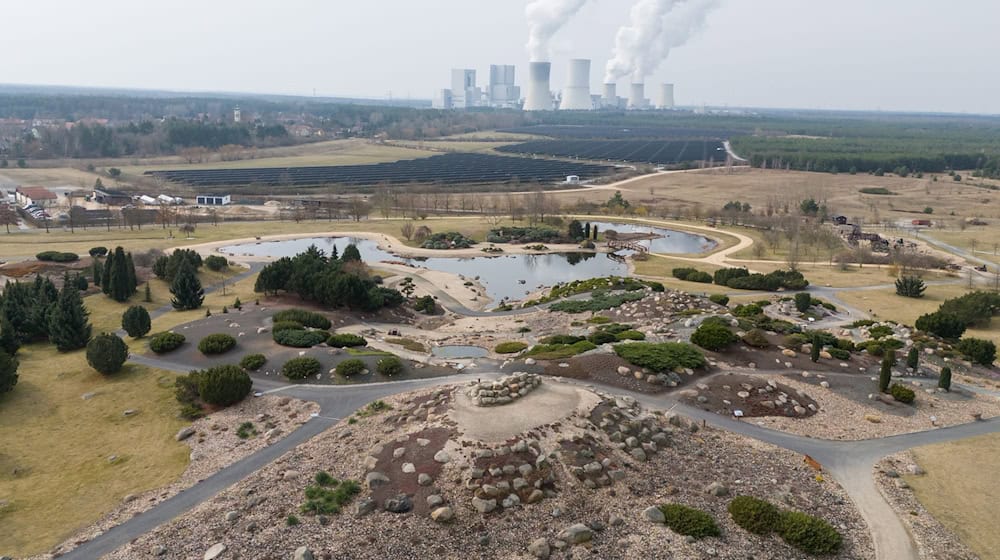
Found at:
(689, 522)
(510, 347)
(661, 357)
(559, 351)
(599, 302)
(720, 299)
(425, 305)
(301, 368)
(770, 282)
(448, 240)
(756, 338)
(724, 275)
(253, 362)
(346, 340)
(299, 338)
(218, 343)
(748, 310)
(983, 352)
(216, 263)
(165, 342)
(713, 336)
(902, 393)
(351, 367)
(303, 317)
(389, 366)
(692, 275)
(57, 256)
(329, 495)
(755, 515)
(839, 353)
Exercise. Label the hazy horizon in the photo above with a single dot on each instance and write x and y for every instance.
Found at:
(894, 56)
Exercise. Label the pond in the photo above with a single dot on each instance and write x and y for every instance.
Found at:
(671, 241)
(509, 277)
(458, 351)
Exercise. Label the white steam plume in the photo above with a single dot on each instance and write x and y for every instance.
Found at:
(656, 27)
(545, 18)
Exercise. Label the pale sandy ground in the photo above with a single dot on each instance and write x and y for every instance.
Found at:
(547, 403)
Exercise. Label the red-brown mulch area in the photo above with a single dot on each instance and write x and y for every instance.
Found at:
(602, 369)
(422, 458)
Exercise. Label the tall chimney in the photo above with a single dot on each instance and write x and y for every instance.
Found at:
(637, 99)
(666, 97)
(576, 96)
(539, 92)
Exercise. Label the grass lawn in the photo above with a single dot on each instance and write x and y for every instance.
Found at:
(59, 445)
(957, 490)
(986, 239)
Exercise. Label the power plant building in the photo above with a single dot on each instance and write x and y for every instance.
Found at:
(464, 93)
(443, 100)
(503, 93)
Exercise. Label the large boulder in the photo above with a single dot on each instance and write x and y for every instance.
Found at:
(577, 534)
(654, 514)
(400, 503)
(539, 549)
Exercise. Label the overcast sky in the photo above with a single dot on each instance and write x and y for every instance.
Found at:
(912, 55)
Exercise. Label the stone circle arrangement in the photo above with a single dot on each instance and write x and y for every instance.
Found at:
(504, 390)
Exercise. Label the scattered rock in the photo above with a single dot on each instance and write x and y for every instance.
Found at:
(484, 506)
(398, 504)
(185, 433)
(539, 549)
(442, 456)
(577, 534)
(717, 489)
(653, 515)
(375, 478)
(424, 479)
(214, 551)
(232, 516)
(303, 553)
(443, 514)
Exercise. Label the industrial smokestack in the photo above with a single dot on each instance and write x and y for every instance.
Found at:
(576, 96)
(539, 93)
(666, 97)
(637, 99)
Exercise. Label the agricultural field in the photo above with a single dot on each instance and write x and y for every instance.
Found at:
(446, 169)
(640, 151)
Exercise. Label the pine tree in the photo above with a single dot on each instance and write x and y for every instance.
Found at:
(944, 381)
(121, 281)
(69, 328)
(351, 253)
(186, 289)
(595, 232)
(885, 374)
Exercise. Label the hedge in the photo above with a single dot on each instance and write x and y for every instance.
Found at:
(223, 385)
(301, 368)
(287, 326)
(351, 367)
(690, 522)
(692, 275)
(57, 256)
(809, 534)
(720, 299)
(755, 515)
(218, 343)
(342, 340)
(662, 357)
(510, 347)
(299, 339)
(304, 317)
(165, 342)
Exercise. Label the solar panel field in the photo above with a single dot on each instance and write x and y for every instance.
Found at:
(658, 152)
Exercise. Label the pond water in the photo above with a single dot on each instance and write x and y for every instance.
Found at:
(504, 277)
(458, 351)
(672, 241)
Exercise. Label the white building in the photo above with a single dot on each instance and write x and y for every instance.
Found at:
(443, 100)
(464, 93)
(213, 199)
(503, 93)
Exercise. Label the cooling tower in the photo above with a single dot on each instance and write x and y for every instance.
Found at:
(610, 96)
(576, 96)
(637, 98)
(666, 100)
(539, 93)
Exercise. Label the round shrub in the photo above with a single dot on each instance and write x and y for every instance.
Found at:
(165, 342)
(98, 251)
(346, 340)
(299, 339)
(389, 365)
(218, 343)
(756, 338)
(754, 515)
(839, 353)
(223, 385)
(720, 299)
(602, 337)
(136, 321)
(630, 335)
(279, 326)
(304, 317)
(713, 336)
(301, 368)
(748, 310)
(510, 347)
(351, 367)
(216, 262)
(689, 521)
(253, 362)
(107, 353)
(809, 534)
(902, 393)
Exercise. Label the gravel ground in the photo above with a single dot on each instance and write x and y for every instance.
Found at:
(933, 539)
(844, 419)
(214, 446)
(250, 519)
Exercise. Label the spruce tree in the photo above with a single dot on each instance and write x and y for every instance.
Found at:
(106, 274)
(136, 321)
(69, 328)
(186, 289)
(944, 381)
(351, 253)
(120, 287)
(885, 374)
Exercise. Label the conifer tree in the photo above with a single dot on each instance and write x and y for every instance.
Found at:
(8, 337)
(96, 269)
(106, 274)
(136, 321)
(130, 268)
(186, 289)
(8, 372)
(69, 328)
(149, 295)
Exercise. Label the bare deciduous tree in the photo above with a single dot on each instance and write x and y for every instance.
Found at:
(407, 230)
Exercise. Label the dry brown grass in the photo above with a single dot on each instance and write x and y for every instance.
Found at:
(959, 492)
(60, 445)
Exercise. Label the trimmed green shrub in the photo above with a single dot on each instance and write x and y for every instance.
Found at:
(755, 515)
(803, 302)
(287, 326)
(218, 343)
(713, 336)
(299, 339)
(630, 335)
(223, 385)
(351, 367)
(756, 338)
(944, 381)
(559, 351)
(98, 251)
(977, 350)
(690, 522)
(880, 331)
(748, 310)
(902, 393)
(107, 353)
(510, 347)
(602, 337)
(809, 534)
(165, 342)
(390, 366)
(724, 275)
(216, 262)
(720, 299)
(945, 325)
(346, 340)
(885, 374)
(303, 317)
(301, 368)
(561, 339)
(57, 256)
(253, 362)
(661, 357)
(838, 353)
(913, 358)
(136, 321)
